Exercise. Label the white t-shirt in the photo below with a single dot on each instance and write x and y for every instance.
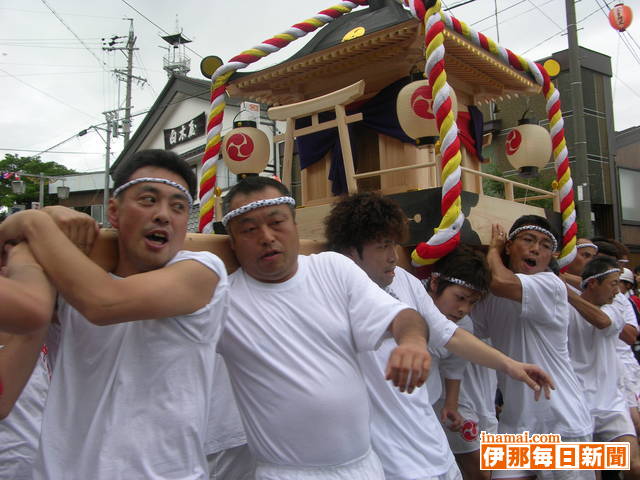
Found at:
(625, 310)
(290, 349)
(479, 384)
(444, 366)
(131, 400)
(594, 359)
(20, 431)
(224, 429)
(405, 432)
(535, 331)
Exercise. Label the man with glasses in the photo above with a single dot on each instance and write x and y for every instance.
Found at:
(526, 316)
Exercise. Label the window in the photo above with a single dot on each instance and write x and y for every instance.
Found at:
(629, 194)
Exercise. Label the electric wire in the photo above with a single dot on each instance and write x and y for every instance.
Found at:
(47, 94)
(72, 32)
(155, 24)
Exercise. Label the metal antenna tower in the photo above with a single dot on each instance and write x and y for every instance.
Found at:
(176, 60)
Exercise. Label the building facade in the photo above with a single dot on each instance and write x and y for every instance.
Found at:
(500, 117)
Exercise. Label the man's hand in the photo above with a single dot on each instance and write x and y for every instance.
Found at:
(498, 237)
(12, 229)
(409, 363)
(537, 379)
(79, 227)
(451, 417)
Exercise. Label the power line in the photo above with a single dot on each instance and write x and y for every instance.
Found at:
(66, 153)
(155, 24)
(52, 46)
(47, 64)
(102, 64)
(47, 94)
(545, 14)
(67, 14)
(53, 73)
(500, 11)
(632, 51)
(562, 31)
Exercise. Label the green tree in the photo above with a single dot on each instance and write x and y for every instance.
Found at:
(494, 188)
(33, 166)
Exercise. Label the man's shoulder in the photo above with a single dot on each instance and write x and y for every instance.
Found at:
(208, 259)
(547, 280)
(328, 261)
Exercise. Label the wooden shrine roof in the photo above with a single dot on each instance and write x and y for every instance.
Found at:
(380, 58)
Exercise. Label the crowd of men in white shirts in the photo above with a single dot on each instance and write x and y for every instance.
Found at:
(340, 365)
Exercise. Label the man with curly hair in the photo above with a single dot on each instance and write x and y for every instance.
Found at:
(405, 432)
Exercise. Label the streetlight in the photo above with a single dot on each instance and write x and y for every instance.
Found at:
(18, 187)
(63, 192)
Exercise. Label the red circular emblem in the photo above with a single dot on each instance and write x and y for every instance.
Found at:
(239, 147)
(469, 430)
(422, 102)
(514, 139)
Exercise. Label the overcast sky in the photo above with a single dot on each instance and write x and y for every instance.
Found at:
(55, 85)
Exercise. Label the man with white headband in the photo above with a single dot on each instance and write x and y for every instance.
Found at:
(526, 316)
(132, 382)
(295, 326)
(585, 251)
(629, 368)
(405, 430)
(592, 346)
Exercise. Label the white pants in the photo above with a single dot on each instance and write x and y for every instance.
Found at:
(452, 474)
(367, 467)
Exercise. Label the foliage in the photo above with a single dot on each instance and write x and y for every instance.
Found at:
(494, 188)
(30, 165)
(490, 187)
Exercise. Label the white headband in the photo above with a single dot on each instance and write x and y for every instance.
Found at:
(598, 275)
(585, 245)
(130, 183)
(457, 281)
(257, 204)
(537, 229)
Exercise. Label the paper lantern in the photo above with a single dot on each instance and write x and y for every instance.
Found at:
(528, 148)
(620, 17)
(245, 149)
(414, 105)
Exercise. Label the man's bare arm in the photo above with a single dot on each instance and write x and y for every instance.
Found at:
(449, 412)
(102, 299)
(591, 313)
(628, 334)
(504, 283)
(408, 365)
(18, 358)
(26, 295)
(468, 346)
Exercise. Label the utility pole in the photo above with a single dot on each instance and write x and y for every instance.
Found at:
(107, 165)
(131, 41)
(580, 167)
(41, 196)
(127, 75)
